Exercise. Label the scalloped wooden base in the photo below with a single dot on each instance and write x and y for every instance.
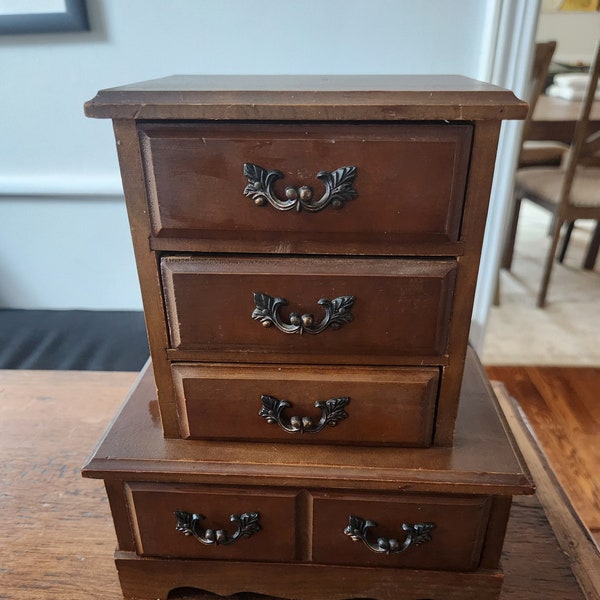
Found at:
(155, 578)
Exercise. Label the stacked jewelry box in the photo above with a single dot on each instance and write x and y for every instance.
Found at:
(312, 424)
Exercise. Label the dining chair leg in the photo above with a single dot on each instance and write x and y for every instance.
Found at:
(593, 248)
(565, 241)
(509, 246)
(496, 299)
(549, 263)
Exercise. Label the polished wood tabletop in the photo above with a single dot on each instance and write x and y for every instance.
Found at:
(555, 118)
(57, 540)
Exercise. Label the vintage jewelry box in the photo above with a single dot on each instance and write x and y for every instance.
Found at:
(307, 249)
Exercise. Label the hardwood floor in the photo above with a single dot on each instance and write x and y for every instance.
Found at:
(562, 405)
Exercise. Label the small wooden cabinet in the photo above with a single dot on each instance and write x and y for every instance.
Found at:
(307, 249)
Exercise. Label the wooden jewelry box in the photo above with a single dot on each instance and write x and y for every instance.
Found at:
(307, 249)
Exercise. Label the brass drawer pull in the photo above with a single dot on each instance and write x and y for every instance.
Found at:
(188, 524)
(337, 313)
(338, 189)
(416, 534)
(332, 412)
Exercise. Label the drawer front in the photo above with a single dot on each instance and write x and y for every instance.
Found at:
(408, 184)
(357, 405)
(333, 310)
(155, 522)
(454, 542)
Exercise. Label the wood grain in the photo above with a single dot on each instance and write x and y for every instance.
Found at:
(482, 461)
(561, 405)
(308, 97)
(183, 179)
(388, 406)
(572, 536)
(402, 307)
(197, 179)
(57, 541)
(57, 538)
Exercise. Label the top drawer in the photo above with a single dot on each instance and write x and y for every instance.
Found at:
(407, 187)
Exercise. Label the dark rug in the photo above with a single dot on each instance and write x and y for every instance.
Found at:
(81, 340)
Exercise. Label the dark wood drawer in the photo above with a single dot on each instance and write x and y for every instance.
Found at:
(359, 405)
(177, 520)
(456, 539)
(217, 306)
(153, 507)
(409, 182)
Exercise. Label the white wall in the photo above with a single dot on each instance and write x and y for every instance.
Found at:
(577, 34)
(63, 238)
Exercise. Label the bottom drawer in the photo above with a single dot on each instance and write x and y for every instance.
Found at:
(202, 527)
(419, 532)
(439, 532)
(357, 405)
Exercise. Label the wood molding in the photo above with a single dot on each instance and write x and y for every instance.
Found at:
(63, 185)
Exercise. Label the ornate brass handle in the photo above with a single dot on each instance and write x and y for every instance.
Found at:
(338, 189)
(188, 524)
(417, 533)
(337, 313)
(332, 412)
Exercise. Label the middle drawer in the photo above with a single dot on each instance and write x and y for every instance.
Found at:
(308, 310)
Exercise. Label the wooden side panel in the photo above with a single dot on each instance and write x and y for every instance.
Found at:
(494, 537)
(147, 267)
(117, 498)
(481, 172)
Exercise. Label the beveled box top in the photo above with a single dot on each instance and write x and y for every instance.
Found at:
(308, 97)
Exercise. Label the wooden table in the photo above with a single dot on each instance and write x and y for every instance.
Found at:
(555, 118)
(57, 539)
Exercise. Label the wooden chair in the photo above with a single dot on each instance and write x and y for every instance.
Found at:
(539, 152)
(533, 152)
(570, 191)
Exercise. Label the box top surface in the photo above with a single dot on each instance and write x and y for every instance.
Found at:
(308, 97)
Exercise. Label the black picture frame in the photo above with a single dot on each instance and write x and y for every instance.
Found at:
(69, 15)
